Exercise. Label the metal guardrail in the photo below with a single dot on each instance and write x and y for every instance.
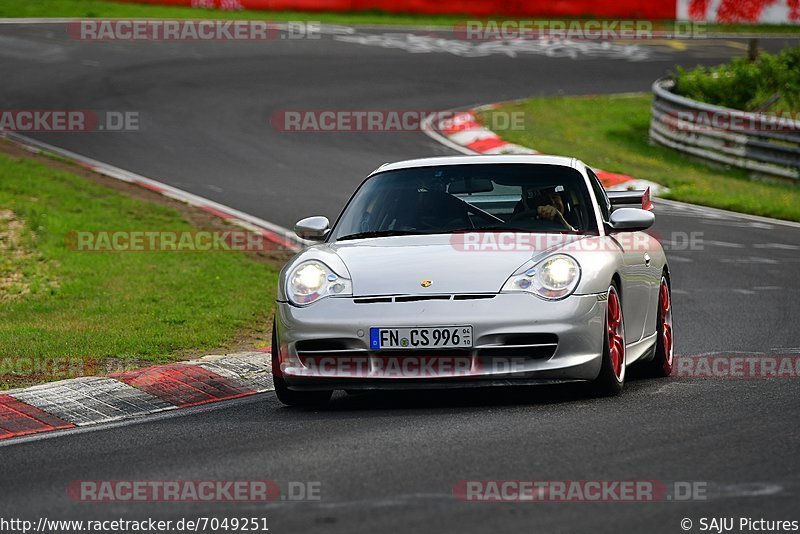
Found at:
(763, 144)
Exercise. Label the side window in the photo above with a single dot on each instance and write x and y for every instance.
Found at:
(600, 193)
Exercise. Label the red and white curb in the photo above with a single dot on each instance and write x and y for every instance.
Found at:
(93, 400)
(280, 236)
(462, 131)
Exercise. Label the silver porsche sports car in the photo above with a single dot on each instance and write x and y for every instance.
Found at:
(474, 271)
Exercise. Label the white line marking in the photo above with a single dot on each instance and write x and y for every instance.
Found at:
(729, 352)
(512, 48)
(778, 246)
(754, 489)
(673, 385)
(750, 260)
(679, 259)
(724, 244)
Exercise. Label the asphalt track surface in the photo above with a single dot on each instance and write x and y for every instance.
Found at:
(390, 461)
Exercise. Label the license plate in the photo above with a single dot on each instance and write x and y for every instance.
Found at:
(428, 337)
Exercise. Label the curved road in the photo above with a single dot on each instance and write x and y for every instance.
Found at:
(391, 461)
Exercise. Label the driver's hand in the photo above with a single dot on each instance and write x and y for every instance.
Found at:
(547, 212)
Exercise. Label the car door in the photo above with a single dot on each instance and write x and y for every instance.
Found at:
(636, 285)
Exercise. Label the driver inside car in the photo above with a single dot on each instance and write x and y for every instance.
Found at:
(542, 203)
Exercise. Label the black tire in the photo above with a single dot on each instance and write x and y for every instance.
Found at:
(608, 383)
(290, 397)
(664, 359)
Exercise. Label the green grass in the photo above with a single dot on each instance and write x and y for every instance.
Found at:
(611, 132)
(132, 307)
(102, 8)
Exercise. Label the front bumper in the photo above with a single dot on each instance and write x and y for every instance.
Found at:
(563, 342)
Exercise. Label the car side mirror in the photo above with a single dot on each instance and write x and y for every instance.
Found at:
(631, 219)
(313, 228)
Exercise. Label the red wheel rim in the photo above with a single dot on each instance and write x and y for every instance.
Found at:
(616, 340)
(665, 317)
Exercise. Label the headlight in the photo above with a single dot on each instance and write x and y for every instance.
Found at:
(553, 278)
(312, 280)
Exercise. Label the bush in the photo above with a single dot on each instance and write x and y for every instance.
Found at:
(746, 85)
(782, 74)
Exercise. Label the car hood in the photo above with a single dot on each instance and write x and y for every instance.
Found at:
(452, 263)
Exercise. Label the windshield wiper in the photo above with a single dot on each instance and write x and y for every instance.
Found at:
(380, 233)
(514, 229)
(490, 229)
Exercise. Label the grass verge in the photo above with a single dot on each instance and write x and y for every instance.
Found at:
(65, 312)
(611, 132)
(102, 8)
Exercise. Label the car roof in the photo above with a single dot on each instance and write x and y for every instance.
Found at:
(534, 159)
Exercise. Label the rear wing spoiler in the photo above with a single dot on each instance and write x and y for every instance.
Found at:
(639, 197)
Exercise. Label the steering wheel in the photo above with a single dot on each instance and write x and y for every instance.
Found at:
(527, 214)
(424, 225)
(558, 224)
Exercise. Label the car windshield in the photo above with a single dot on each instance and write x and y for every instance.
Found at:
(471, 197)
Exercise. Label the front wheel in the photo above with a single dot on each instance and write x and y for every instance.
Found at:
(287, 396)
(612, 371)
